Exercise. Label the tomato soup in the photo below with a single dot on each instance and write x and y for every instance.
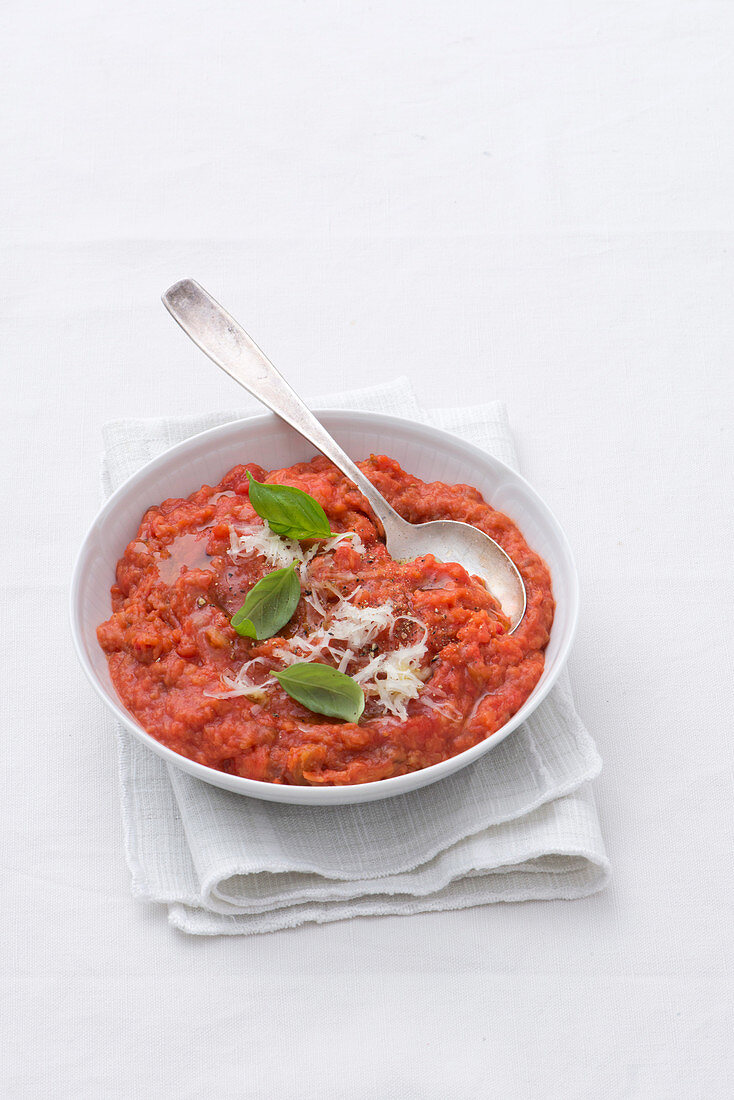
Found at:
(425, 641)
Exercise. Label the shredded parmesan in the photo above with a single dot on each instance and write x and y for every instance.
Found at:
(326, 546)
(280, 551)
(240, 685)
(343, 629)
(392, 679)
(359, 625)
(395, 678)
(310, 648)
(276, 550)
(444, 707)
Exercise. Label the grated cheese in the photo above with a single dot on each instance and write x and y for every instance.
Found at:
(392, 679)
(326, 546)
(359, 625)
(280, 551)
(445, 708)
(259, 539)
(240, 685)
(395, 678)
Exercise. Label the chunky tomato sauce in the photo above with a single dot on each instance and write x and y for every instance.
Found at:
(172, 650)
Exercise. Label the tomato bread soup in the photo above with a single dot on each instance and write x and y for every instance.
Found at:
(423, 644)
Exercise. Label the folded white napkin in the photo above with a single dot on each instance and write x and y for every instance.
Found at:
(519, 824)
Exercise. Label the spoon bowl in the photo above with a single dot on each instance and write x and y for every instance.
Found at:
(227, 344)
(449, 540)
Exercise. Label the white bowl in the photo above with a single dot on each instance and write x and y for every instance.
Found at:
(204, 459)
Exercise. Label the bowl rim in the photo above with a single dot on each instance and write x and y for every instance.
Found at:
(334, 795)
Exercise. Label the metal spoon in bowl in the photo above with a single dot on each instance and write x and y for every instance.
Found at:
(229, 346)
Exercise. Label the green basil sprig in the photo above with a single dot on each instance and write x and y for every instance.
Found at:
(323, 689)
(269, 605)
(288, 511)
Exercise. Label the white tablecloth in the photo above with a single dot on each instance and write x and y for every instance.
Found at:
(527, 201)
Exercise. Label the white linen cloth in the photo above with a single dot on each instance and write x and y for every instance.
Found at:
(519, 824)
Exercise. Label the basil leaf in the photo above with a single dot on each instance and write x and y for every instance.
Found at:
(289, 511)
(269, 605)
(323, 689)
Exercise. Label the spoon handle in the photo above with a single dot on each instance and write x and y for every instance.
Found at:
(227, 344)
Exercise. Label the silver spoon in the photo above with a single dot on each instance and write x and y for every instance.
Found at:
(228, 345)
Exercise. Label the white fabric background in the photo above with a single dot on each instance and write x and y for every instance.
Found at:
(527, 201)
